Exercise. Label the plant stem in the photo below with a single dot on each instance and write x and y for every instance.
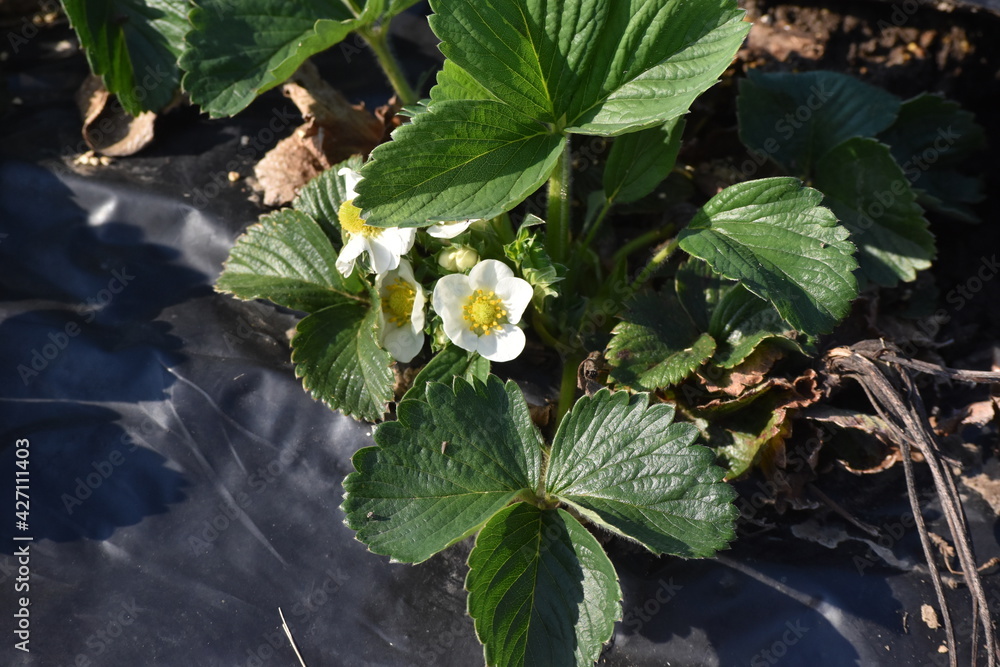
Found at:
(504, 230)
(591, 232)
(378, 40)
(638, 242)
(557, 235)
(651, 267)
(567, 388)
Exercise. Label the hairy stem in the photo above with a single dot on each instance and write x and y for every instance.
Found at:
(378, 40)
(641, 241)
(557, 235)
(653, 265)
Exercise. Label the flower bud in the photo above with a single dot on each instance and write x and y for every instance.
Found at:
(458, 258)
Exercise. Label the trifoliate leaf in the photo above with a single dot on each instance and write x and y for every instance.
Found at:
(656, 345)
(286, 258)
(650, 61)
(134, 45)
(741, 322)
(772, 235)
(736, 319)
(455, 162)
(797, 118)
(337, 355)
(238, 50)
(454, 83)
(441, 471)
(870, 194)
(629, 468)
(541, 590)
(537, 70)
(930, 138)
(639, 161)
(444, 367)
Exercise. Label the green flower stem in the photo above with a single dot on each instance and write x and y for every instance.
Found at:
(653, 265)
(378, 40)
(557, 235)
(591, 232)
(541, 327)
(567, 388)
(649, 238)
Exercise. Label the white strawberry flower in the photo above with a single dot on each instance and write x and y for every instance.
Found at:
(449, 230)
(384, 245)
(480, 311)
(401, 320)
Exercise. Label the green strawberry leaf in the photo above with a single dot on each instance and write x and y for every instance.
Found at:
(286, 258)
(444, 367)
(731, 314)
(773, 235)
(457, 161)
(741, 322)
(238, 50)
(870, 194)
(699, 290)
(441, 471)
(930, 138)
(650, 61)
(535, 71)
(639, 161)
(541, 589)
(797, 118)
(336, 353)
(656, 345)
(628, 468)
(134, 45)
(454, 83)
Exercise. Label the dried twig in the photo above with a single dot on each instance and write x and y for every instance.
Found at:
(880, 371)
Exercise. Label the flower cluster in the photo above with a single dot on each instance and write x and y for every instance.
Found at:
(479, 311)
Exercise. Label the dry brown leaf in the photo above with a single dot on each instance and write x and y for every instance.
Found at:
(334, 130)
(746, 375)
(107, 128)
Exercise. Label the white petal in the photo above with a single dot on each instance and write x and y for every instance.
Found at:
(405, 272)
(400, 239)
(487, 273)
(402, 342)
(464, 337)
(516, 295)
(502, 345)
(419, 301)
(451, 293)
(383, 259)
(351, 180)
(345, 260)
(448, 230)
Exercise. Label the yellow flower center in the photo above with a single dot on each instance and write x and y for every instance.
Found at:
(484, 312)
(397, 302)
(350, 220)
